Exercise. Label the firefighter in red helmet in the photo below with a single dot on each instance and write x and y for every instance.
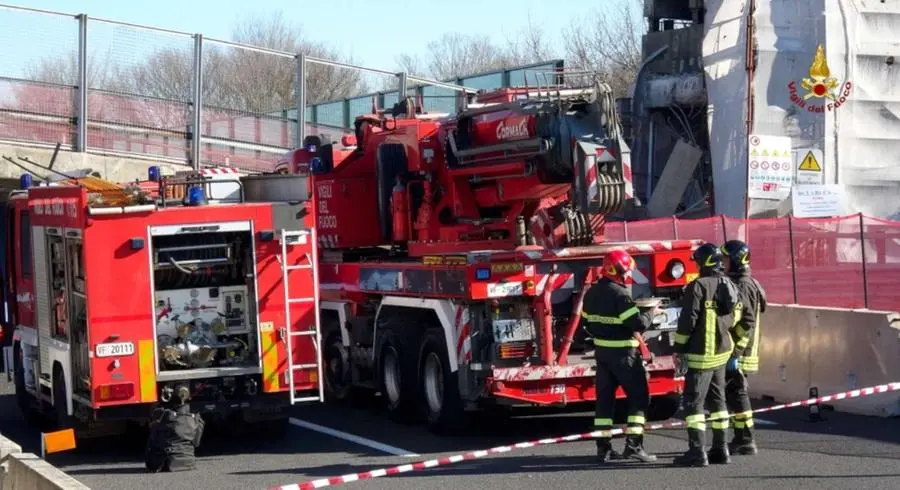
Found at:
(611, 318)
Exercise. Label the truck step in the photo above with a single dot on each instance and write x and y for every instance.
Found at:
(306, 399)
(297, 267)
(305, 366)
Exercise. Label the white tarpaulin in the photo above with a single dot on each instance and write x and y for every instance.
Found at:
(826, 76)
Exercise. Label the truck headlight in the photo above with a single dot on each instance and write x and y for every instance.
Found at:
(676, 269)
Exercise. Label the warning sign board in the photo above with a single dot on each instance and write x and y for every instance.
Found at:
(771, 167)
(809, 163)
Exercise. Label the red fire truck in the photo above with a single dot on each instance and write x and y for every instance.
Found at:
(121, 296)
(456, 250)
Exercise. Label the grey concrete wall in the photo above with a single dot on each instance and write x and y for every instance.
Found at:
(114, 168)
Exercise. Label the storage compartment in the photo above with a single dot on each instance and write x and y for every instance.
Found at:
(205, 300)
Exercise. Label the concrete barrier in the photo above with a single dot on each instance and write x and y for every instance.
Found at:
(27, 471)
(831, 349)
(111, 167)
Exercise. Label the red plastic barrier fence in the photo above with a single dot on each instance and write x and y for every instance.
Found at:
(846, 262)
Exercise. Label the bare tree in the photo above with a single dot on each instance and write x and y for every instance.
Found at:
(101, 72)
(528, 45)
(234, 78)
(609, 43)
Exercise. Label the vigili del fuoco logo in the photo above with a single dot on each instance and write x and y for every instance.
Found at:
(820, 86)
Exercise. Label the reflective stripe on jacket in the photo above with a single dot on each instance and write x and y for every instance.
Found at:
(746, 331)
(610, 316)
(703, 333)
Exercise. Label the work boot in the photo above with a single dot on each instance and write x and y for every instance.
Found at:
(743, 443)
(605, 452)
(695, 455)
(719, 452)
(634, 449)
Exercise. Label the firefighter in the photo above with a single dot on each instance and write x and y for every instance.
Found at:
(175, 433)
(745, 335)
(703, 343)
(611, 318)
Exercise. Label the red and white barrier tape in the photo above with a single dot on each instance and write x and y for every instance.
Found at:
(447, 460)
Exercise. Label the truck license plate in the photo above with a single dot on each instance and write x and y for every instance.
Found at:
(667, 319)
(504, 289)
(115, 349)
(513, 330)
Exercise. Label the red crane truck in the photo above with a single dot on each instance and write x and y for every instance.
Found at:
(455, 251)
(121, 296)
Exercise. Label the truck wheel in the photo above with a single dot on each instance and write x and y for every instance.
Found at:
(397, 380)
(338, 382)
(63, 420)
(23, 399)
(664, 407)
(441, 404)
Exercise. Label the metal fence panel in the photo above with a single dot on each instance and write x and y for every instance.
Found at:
(244, 94)
(139, 89)
(37, 82)
(142, 82)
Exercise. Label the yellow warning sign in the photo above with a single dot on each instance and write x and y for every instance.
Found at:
(754, 153)
(765, 153)
(810, 163)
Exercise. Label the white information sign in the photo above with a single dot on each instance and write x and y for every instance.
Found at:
(771, 164)
(809, 163)
(819, 200)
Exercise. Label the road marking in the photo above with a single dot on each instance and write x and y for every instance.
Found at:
(396, 451)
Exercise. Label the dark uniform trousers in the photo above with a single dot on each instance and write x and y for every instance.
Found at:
(703, 337)
(620, 367)
(705, 388)
(613, 321)
(174, 434)
(746, 333)
(738, 399)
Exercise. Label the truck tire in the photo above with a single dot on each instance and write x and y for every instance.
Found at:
(338, 380)
(23, 399)
(440, 401)
(663, 407)
(397, 378)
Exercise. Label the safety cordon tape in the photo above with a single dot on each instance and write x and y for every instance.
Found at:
(447, 460)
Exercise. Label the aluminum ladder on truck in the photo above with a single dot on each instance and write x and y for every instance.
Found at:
(302, 238)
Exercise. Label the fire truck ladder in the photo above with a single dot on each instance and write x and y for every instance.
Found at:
(292, 237)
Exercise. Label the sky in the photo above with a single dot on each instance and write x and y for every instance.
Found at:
(391, 27)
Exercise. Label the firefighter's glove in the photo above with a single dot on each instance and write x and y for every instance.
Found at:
(681, 366)
(732, 365)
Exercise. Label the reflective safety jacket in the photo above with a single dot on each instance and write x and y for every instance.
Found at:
(704, 327)
(610, 316)
(746, 330)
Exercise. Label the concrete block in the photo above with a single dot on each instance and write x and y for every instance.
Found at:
(111, 167)
(833, 349)
(28, 471)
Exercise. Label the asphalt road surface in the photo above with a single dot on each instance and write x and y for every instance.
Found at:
(841, 452)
